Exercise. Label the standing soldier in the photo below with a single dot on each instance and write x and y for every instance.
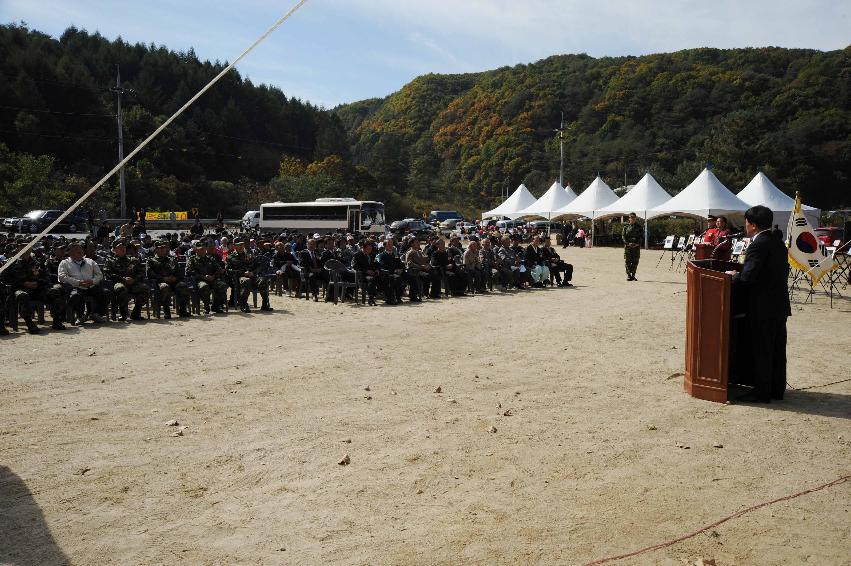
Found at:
(208, 271)
(127, 275)
(163, 270)
(633, 235)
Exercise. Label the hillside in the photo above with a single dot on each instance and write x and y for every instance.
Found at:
(462, 139)
(59, 133)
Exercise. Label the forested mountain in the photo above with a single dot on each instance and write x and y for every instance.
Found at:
(441, 141)
(462, 139)
(58, 131)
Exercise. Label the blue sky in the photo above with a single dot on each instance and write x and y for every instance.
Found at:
(335, 51)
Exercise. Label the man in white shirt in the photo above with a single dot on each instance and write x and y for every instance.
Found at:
(84, 277)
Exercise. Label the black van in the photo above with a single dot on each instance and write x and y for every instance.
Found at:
(438, 216)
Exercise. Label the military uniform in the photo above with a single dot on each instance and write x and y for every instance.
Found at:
(26, 271)
(165, 267)
(118, 268)
(633, 235)
(238, 264)
(207, 271)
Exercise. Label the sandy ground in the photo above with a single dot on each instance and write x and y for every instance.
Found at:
(585, 465)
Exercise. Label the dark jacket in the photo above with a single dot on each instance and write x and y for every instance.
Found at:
(763, 279)
(533, 256)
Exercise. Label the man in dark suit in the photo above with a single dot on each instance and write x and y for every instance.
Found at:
(762, 282)
(309, 263)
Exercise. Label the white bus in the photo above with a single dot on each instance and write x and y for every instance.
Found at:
(323, 215)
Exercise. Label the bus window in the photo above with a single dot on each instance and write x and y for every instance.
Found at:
(372, 213)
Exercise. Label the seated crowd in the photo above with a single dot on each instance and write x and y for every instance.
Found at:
(98, 278)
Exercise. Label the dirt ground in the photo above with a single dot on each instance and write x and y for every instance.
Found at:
(595, 449)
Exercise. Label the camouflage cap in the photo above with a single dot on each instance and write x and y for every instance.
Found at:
(118, 242)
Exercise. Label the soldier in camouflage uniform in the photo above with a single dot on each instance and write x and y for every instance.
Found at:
(242, 268)
(31, 283)
(208, 270)
(127, 275)
(633, 236)
(163, 271)
(263, 272)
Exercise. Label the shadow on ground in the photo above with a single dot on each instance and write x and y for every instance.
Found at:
(25, 538)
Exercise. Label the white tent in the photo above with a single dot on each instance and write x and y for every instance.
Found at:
(704, 196)
(556, 197)
(519, 199)
(598, 195)
(762, 191)
(645, 195)
(569, 192)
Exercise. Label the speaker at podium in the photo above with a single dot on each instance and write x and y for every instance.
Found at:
(715, 327)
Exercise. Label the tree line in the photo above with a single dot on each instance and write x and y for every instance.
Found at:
(441, 141)
(465, 139)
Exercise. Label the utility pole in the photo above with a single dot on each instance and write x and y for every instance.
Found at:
(121, 188)
(560, 131)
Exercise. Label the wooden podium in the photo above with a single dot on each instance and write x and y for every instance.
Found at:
(709, 313)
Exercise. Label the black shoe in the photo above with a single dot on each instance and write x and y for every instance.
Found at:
(57, 325)
(184, 314)
(167, 315)
(3, 331)
(218, 310)
(753, 397)
(135, 315)
(32, 328)
(266, 308)
(245, 308)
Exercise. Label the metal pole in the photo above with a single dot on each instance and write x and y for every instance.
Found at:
(121, 187)
(561, 151)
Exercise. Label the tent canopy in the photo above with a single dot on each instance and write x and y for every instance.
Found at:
(519, 199)
(643, 196)
(555, 197)
(705, 196)
(762, 191)
(596, 196)
(569, 192)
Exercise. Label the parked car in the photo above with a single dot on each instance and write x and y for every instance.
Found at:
(10, 224)
(544, 225)
(448, 225)
(505, 225)
(251, 220)
(828, 234)
(411, 226)
(438, 216)
(37, 220)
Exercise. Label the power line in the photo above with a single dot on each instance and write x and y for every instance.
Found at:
(46, 111)
(56, 136)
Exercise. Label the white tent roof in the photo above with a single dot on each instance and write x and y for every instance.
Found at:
(519, 199)
(598, 195)
(643, 196)
(704, 196)
(762, 191)
(570, 192)
(556, 197)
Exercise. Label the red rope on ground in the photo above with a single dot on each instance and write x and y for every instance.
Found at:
(837, 481)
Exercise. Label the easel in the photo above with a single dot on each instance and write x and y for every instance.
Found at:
(687, 253)
(681, 253)
(669, 245)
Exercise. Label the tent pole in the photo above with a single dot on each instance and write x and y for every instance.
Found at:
(646, 232)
